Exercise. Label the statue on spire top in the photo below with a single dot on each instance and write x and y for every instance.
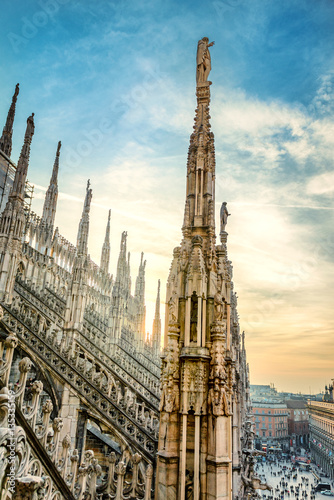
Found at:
(203, 60)
(30, 127)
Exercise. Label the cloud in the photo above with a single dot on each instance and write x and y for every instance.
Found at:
(321, 184)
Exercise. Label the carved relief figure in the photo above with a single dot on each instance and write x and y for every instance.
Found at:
(217, 400)
(203, 60)
(170, 397)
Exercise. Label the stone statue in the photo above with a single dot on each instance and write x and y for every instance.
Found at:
(170, 398)
(172, 304)
(30, 127)
(218, 306)
(193, 317)
(189, 485)
(217, 400)
(203, 60)
(223, 216)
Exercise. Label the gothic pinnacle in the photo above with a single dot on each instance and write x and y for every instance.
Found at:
(156, 331)
(82, 239)
(22, 165)
(7, 133)
(157, 303)
(50, 202)
(105, 256)
(55, 170)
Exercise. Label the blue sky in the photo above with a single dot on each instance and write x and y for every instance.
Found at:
(115, 82)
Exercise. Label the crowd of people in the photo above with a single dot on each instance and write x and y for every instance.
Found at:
(288, 480)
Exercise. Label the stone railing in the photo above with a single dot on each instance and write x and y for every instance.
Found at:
(95, 319)
(94, 383)
(36, 460)
(152, 367)
(45, 301)
(123, 363)
(121, 366)
(117, 360)
(321, 404)
(145, 378)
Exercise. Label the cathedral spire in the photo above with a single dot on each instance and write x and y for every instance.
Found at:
(50, 203)
(200, 195)
(7, 133)
(122, 262)
(12, 220)
(199, 363)
(140, 296)
(156, 333)
(105, 256)
(140, 281)
(82, 240)
(17, 190)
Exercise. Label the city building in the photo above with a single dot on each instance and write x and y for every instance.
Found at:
(321, 424)
(264, 393)
(298, 420)
(271, 424)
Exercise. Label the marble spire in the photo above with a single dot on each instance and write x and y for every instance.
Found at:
(82, 240)
(17, 190)
(7, 133)
(50, 202)
(156, 331)
(105, 255)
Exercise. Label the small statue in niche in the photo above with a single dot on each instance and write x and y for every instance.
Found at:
(193, 317)
(189, 485)
(218, 305)
(172, 303)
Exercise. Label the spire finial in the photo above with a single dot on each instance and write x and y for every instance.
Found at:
(88, 198)
(200, 198)
(203, 62)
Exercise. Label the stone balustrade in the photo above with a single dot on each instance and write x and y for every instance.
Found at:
(56, 474)
(144, 377)
(94, 382)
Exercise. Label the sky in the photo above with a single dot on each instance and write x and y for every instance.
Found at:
(115, 82)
